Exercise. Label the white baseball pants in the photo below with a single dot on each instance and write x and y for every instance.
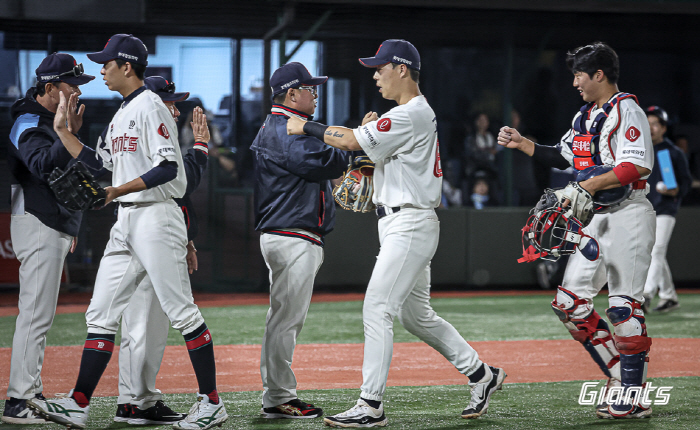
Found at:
(400, 286)
(41, 252)
(293, 264)
(659, 278)
(144, 337)
(626, 238)
(152, 237)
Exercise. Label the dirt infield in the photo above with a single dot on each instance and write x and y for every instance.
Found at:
(326, 366)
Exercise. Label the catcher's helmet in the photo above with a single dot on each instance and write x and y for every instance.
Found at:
(551, 232)
(605, 198)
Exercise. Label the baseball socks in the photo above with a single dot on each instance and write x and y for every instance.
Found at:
(201, 350)
(96, 355)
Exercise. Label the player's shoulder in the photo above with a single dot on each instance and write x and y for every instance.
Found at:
(628, 104)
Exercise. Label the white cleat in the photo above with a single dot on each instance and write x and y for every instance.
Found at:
(203, 415)
(360, 415)
(64, 410)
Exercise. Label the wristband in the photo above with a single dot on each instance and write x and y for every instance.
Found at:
(202, 146)
(315, 129)
(626, 173)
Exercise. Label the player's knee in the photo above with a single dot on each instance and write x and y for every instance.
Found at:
(627, 316)
(567, 305)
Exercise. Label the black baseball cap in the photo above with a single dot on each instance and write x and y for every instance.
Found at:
(123, 46)
(164, 89)
(659, 113)
(62, 68)
(394, 51)
(293, 75)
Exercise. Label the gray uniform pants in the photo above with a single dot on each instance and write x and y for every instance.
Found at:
(41, 252)
(293, 264)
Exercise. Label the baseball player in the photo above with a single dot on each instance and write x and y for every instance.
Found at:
(407, 183)
(149, 237)
(612, 130)
(294, 211)
(666, 203)
(42, 230)
(144, 324)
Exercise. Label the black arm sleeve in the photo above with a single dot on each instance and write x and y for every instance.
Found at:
(550, 156)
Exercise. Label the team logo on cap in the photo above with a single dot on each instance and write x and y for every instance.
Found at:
(163, 131)
(632, 134)
(384, 125)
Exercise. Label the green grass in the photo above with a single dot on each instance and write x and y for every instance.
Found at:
(517, 406)
(477, 318)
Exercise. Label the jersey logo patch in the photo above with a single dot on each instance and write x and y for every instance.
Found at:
(163, 131)
(632, 134)
(384, 124)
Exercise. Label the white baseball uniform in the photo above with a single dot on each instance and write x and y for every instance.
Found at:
(150, 233)
(625, 232)
(407, 185)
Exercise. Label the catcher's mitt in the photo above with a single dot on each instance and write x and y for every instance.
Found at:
(76, 188)
(355, 191)
(580, 202)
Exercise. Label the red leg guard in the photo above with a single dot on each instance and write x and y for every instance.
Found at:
(632, 344)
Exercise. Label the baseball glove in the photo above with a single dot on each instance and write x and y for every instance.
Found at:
(76, 188)
(355, 190)
(580, 201)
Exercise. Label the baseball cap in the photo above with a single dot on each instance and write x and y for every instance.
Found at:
(164, 89)
(293, 75)
(659, 113)
(394, 51)
(62, 68)
(123, 46)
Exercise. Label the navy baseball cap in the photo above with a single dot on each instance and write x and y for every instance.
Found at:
(164, 89)
(293, 75)
(62, 68)
(394, 51)
(123, 46)
(659, 113)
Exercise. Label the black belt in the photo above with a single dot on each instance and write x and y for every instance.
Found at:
(126, 204)
(383, 211)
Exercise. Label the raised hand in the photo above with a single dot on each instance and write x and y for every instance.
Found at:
(59, 120)
(295, 125)
(75, 114)
(200, 129)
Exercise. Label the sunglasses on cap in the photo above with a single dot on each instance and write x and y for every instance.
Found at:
(77, 70)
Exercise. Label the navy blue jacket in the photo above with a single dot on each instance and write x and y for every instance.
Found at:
(293, 177)
(34, 151)
(667, 205)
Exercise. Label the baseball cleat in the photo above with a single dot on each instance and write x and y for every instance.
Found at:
(360, 415)
(157, 414)
(666, 306)
(292, 409)
(123, 413)
(203, 415)
(17, 412)
(482, 391)
(64, 410)
(601, 410)
(626, 410)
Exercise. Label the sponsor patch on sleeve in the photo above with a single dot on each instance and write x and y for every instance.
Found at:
(163, 131)
(637, 153)
(369, 136)
(384, 124)
(164, 151)
(632, 133)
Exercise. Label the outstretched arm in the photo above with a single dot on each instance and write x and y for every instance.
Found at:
(337, 137)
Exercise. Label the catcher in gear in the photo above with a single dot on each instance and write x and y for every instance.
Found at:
(610, 130)
(76, 188)
(355, 190)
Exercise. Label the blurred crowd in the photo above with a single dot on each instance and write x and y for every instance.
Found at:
(475, 167)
